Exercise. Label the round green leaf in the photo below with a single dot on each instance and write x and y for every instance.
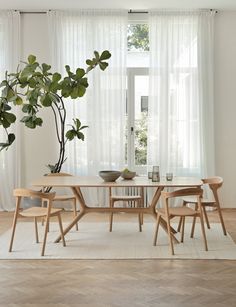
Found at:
(31, 59)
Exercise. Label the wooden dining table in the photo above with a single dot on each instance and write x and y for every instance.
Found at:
(75, 183)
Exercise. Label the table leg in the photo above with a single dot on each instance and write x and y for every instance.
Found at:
(163, 223)
(68, 228)
(79, 196)
(84, 210)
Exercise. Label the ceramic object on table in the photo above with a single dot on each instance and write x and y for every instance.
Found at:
(128, 175)
(109, 176)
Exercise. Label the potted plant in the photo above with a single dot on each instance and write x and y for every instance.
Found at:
(34, 86)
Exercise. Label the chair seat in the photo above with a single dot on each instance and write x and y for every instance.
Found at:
(193, 199)
(35, 212)
(64, 197)
(38, 212)
(179, 211)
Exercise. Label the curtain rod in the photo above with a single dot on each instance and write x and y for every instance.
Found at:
(146, 12)
(137, 12)
(25, 12)
(130, 12)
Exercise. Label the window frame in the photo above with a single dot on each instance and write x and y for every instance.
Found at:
(134, 18)
(131, 73)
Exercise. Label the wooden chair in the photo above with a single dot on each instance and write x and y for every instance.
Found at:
(168, 213)
(137, 200)
(66, 198)
(36, 212)
(214, 183)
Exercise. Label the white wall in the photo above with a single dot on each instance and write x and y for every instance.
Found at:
(39, 146)
(225, 104)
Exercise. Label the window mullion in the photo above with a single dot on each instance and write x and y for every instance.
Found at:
(130, 123)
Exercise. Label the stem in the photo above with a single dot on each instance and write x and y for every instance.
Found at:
(6, 132)
(60, 116)
(59, 112)
(62, 144)
(56, 123)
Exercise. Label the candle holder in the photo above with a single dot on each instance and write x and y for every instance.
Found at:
(155, 174)
(169, 176)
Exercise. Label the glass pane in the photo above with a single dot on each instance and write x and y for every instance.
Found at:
(137, 37)
(140, 119)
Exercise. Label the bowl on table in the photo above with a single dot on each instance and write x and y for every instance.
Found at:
(128, 175)
(109, 176)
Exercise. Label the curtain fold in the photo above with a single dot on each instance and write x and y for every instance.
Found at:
(180, 121)
(74, 37)
(10, 160)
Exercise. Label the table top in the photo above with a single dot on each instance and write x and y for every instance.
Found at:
(96, 181)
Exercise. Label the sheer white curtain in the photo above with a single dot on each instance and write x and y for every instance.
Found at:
(9, 58)
(180, 122)
(74, 37)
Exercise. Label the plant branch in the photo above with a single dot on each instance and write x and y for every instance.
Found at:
(56, 123)
(42, 88)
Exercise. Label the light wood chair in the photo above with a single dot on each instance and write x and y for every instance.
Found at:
(66, 198)
(36, 212)
(167, 213)
(213, 183)
(134, 200)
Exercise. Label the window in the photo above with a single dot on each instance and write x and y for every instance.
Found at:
(137, 37)
(136, 118)
(137, 96)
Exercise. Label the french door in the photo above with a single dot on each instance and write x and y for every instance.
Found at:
(136, 119)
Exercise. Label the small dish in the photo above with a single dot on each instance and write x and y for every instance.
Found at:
(128, 175)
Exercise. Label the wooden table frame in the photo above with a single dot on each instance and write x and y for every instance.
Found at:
(76, 183)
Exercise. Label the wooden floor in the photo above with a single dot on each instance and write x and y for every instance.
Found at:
(115, 283)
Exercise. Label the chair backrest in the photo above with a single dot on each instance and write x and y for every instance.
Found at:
(182, 192)
(33, 194)
(213, 182)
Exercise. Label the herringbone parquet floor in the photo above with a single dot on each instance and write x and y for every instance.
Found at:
(122, 283)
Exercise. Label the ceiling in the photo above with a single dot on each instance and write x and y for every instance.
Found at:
(29, 5)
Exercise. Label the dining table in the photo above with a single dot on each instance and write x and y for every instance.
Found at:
(76, 183)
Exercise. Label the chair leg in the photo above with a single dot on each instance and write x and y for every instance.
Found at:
(193, 227)
(61, 229)
(111, 216)
(182, 231)
(140, 221)
(203, 231)
(141, 214)
(36, 230)
(206, 217)
(139, 217)
(194, 222)
(202, 226)
(75, 212)
(111, 221)
(156, 230)
(221, 219)
(43, 218)
(180, 219)
(170, 237)
(13, 230)
(180, 224)
(45, 236)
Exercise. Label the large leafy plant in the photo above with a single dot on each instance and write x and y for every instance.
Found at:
(34, 86)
